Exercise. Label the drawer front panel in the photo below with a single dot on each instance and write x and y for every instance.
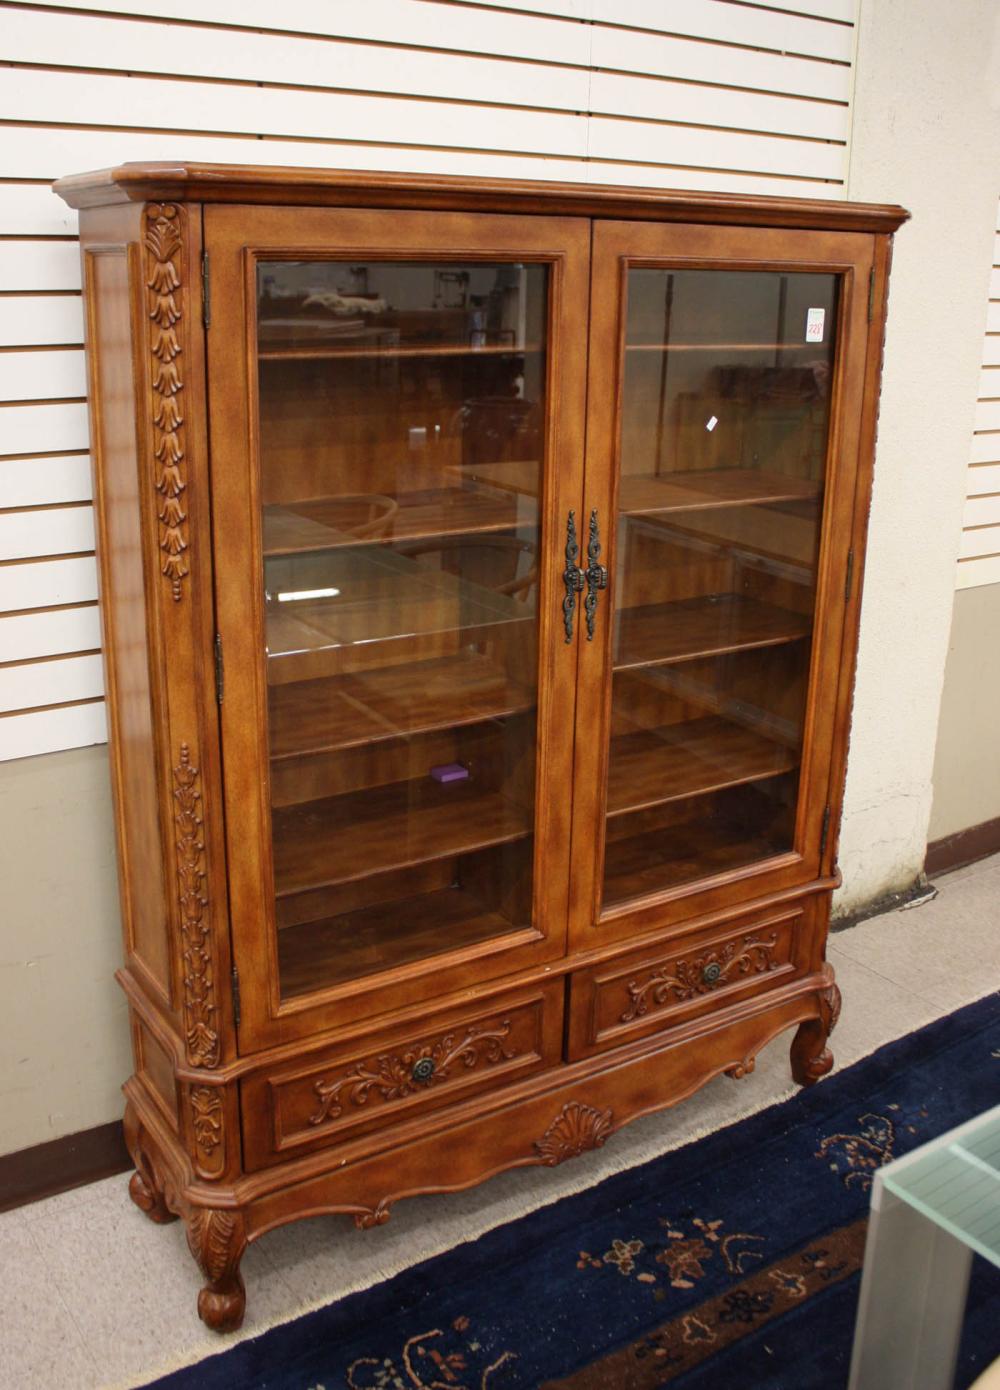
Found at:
(644, 992)
(388, 1077)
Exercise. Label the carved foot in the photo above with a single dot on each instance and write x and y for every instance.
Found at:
(811, 1058)
(217, 1240)
(145, 1187)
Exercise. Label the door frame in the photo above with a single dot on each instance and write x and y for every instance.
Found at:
(236, 237)
(617, 247)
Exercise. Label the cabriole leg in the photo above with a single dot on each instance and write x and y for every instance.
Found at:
(811, 1058)
(217, 1239)
(144, 1188)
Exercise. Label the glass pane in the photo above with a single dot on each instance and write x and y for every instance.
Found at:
(401, 431)
(725, 416)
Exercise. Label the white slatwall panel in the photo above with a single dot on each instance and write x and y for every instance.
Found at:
(979, 554)
(701, 94)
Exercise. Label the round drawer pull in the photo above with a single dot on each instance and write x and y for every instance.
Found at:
(423, 1069)
(711, 973)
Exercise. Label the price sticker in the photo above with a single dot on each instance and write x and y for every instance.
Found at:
(815, 319)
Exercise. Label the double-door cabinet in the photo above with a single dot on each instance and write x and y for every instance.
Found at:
(480, 567)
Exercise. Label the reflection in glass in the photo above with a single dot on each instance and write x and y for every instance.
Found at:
(401, 431)
(725, 417)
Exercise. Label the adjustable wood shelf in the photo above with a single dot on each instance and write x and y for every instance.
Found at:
(316, 351)
(345, 838)
(390, 702)
(657, 634)
(696, 491)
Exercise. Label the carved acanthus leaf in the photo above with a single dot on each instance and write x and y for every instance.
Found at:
(206, 1123)
(198, 965)
(394, 1075)
(164, 244)
(686, 979)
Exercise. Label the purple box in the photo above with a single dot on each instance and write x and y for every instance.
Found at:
(449, 772)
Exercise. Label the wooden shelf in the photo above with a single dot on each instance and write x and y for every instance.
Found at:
(661, 633)
(329, 523)
(335, 950)
(762, 531)
(343, 838)
(721, 487)
(380, 597)
(324, 351)
(653, 766)
(817, 349)
(389, 702)
(659, 860)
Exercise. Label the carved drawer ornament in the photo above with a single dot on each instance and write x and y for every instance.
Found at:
(164, 244)
(394, 1076)
(575, 1129)
(206, 1122)
(686, 979)
(200, 1009)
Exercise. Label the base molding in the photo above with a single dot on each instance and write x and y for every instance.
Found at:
(61, 1164)
(964, 847)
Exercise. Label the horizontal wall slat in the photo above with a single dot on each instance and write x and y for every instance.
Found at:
(31, 95)
(46, 731)
(29, 635)
(39, 265)
(50, 682)
(136, 46)
(29, 319)
(984, 542)
(34, 429)
(984, 478)
(32, 209)
(401, 22)
(718, 149)
(991, 350)
(28, 376)
(989, 383)
(61, 531)
(993, 317)
(47, 583)
(987, 415)
(982, 511)
(737, 24)
(972, 573)
(40, 482)
(629, 50)
(53, 152)
(995, 283)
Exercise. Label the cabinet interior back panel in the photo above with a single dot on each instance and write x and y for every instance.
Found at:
(699, 94)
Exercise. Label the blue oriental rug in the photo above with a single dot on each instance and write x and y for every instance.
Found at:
(732, 1262)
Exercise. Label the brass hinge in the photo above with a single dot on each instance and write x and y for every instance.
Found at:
(236, 996)
(824, 834)
(220, 675)
(850, 576)
(871, 293)
(206, 292)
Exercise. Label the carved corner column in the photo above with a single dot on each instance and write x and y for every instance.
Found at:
(811, 1058)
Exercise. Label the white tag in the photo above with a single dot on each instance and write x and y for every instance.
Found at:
(814, 325)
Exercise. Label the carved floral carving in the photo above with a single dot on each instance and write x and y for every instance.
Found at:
(575, 1129)
(833, 1002)
(206, 1122)
(396, 1075)
(164, 244)
(686, 979)
(200, 1008)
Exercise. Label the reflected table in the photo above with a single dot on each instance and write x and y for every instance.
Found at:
(930, 1211)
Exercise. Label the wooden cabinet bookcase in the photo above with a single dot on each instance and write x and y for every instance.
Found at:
(480, 570)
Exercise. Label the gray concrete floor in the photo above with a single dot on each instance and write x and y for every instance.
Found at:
(93, 1295)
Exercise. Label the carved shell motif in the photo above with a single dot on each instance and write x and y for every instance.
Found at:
(575, 1129)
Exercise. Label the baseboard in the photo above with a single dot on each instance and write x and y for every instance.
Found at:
(964, 847)
(61, 1164)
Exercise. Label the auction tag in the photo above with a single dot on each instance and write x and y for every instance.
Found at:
(814, 325)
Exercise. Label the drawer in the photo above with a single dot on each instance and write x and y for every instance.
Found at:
(643, 992)
(380, 1078)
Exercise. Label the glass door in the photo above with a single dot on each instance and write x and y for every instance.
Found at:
(714, 476)
(393, 611)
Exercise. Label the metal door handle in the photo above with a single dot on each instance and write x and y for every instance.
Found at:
(595, 575)
(572, 576)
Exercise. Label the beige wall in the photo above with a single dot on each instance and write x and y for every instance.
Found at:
(926, 134)
(967, 759)
(64, 1046)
